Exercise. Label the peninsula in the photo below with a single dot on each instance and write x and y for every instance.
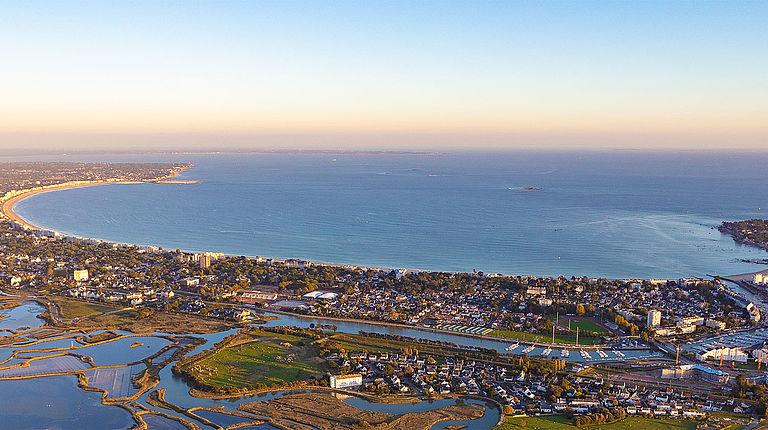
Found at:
(753, 232)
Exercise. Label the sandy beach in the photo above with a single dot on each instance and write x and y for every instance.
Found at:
(9, 203)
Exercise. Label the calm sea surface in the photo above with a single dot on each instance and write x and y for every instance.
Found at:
(615, 214)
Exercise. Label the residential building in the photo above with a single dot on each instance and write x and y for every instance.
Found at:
(346, 381)
(654, 318)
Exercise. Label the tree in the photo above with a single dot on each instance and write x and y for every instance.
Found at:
(144, 313)
(580, 311)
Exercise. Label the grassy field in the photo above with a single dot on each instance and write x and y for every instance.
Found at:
(95, 315)
(267, 359)
(533, 337)
(557, 422)
(76, 309)
(584, 325)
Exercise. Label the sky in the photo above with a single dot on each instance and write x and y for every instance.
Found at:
(383, 74)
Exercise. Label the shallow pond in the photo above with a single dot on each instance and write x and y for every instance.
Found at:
(23, 316)
(120, 351)
(56, 403)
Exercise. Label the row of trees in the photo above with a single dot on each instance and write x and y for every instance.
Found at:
(603, 416)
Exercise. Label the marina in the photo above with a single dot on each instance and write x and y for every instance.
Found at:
(348, 326)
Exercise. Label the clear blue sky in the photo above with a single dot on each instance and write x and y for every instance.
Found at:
(499, 74)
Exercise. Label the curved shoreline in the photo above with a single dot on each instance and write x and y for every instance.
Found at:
(10, 201)
(11, 198)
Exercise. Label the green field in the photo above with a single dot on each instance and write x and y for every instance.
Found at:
(533, 337)
(557, 422)
(76, 309)
(269, 359)
(584, 325)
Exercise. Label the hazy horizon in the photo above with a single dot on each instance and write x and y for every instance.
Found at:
(144, 75)
(29, 144)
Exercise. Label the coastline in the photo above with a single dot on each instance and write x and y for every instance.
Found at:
(10, 201)
(11, 198)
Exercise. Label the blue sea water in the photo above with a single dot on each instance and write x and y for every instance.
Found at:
(613, 213)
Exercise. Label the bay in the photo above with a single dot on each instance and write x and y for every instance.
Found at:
(615, 214)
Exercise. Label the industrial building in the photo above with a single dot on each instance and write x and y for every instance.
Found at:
(695, 371)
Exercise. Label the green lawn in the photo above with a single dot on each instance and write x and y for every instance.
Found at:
(533, 337)
(557, 422)
(552, 422)
(265, 361)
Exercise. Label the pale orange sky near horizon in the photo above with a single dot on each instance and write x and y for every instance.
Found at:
(395, 75)
(19, 144)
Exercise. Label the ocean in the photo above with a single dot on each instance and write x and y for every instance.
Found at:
(613, 213)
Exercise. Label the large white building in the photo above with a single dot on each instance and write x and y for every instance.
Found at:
(346, 381)
(321, 295)
(725, 354)
(80, 275)
(654, 318)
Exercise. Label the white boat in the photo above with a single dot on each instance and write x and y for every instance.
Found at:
(546, 351)
(513, 347)
(529, 349)
(585, 355)
(565, 353)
